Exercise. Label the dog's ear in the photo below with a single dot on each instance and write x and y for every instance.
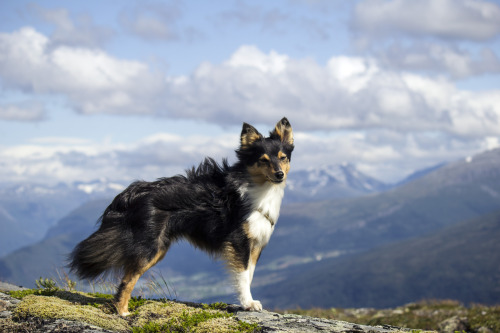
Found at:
(249, 135)
(283, 131)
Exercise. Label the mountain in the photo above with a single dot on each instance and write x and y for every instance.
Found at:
(330, 182)
(48, 255)
(460, 262)
(455, 192)
(27, 211)
(419, 174)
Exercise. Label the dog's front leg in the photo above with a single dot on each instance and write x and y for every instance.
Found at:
(242, 263)
(242, 282)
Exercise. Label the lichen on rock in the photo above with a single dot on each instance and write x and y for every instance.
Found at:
(56, 308)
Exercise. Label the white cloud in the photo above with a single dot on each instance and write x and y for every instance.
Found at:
(62, 159)
(252, 57)
(92, 80)
(456, 38)
(148, 24)
(474, 20)
(27, 111)
(347, 93)
(385, 154)
(158, 22)
(79, 31)
(440, 58)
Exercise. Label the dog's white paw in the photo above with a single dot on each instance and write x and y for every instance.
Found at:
(125, 314)
(253, 306)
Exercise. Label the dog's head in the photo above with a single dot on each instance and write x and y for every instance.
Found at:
(267, 159)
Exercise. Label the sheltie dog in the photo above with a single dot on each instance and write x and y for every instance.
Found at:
(229, 211)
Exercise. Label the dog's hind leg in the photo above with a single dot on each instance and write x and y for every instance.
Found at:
(129, 280)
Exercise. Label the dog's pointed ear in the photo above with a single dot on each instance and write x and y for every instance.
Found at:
(249, 135)
(283, 130)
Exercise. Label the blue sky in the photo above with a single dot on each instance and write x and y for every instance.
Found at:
(128, 90)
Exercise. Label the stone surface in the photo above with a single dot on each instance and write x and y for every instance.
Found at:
(9, 287)
(8, 303)
(454, 324)
(274, 322)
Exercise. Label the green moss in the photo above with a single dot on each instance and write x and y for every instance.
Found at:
(246, 327)
(177, 317)
(136, 302)
(20, 294)
(215, 306)
(56, 308)
(200, 322)
(101, 295)
(484, 316)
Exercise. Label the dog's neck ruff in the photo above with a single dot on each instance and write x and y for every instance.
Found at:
(266, 199)
(265, 203)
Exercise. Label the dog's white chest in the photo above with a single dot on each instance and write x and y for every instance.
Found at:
(266, 203)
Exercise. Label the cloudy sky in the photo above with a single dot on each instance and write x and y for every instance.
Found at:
(128, 90)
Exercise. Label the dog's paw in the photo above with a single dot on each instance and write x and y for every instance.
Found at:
(253, 306)
(125, 314)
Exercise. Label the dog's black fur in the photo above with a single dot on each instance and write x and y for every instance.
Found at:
(210, 207)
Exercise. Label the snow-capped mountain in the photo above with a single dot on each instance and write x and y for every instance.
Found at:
(330, 182)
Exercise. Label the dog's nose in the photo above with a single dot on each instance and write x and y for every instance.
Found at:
(279, 175)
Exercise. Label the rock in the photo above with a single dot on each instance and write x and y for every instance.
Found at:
(274, 322)
(8, 303)
(9, 287)
(454, 324)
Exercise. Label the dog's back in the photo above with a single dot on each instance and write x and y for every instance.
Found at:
(204, 207)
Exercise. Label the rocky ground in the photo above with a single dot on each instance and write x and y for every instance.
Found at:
(274, 322)
(441, 315)
(24, 316)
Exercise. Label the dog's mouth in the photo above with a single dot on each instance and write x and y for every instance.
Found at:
(275, 181)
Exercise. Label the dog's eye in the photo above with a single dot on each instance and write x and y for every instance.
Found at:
(283, 158)
(264, 160)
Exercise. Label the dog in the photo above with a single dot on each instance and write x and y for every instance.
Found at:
(229, 211)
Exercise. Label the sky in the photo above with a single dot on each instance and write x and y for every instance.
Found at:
(126, 90)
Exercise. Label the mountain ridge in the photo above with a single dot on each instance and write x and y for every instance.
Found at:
(458, 262)
(331, 181)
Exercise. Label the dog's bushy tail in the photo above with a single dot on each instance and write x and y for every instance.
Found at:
(105, 250)
(113, 247)
(97, 254)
